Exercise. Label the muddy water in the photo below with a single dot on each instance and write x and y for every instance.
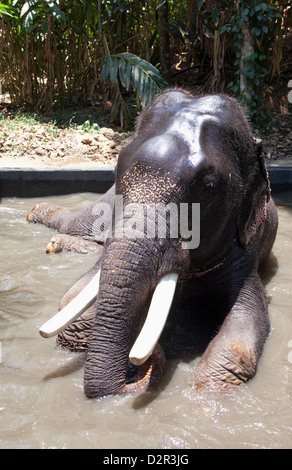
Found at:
(42, 403)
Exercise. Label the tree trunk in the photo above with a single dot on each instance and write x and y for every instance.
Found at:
(246, 51)
(164, 49)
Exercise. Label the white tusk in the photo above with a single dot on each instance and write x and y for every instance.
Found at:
(73, 310)
(155, 320)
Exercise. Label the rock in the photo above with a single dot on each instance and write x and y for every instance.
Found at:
(87, 139)
(40, 151)
(101, 138)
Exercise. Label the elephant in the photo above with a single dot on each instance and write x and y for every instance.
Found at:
(195, 157)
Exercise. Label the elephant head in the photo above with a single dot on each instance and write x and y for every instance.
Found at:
(191, 197)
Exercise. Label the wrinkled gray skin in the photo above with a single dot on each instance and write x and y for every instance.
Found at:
(185, 149)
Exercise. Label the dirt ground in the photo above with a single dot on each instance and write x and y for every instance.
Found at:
(42, 145)
(37, 146)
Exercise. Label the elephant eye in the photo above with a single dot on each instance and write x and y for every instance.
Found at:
(210, 184)
(209, 181)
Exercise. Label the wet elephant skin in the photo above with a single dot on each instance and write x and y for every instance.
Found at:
(186, 150)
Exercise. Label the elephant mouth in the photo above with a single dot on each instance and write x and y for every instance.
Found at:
(150, 331)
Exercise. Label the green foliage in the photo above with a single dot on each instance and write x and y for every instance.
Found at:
(34, 12)
(134, 74)
(262, 19)
(129, 72)
(7, 10)
(88, 127)
(55, 53)
(42, 51)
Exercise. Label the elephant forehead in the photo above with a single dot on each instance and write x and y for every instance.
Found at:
(180, 137)
(164, 145)
(193, 127)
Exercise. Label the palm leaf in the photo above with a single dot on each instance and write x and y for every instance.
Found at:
(7, 10)
(134, 74)
(60, 15)
(26, 6)
(125, 69)
(113, 69)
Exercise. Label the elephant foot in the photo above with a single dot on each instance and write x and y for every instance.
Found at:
(65, 242)
(224, 369)
(149, 373)
(44, 213)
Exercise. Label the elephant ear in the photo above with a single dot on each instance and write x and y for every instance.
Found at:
(257, 193)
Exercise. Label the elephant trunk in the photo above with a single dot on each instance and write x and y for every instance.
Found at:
(128, 277)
